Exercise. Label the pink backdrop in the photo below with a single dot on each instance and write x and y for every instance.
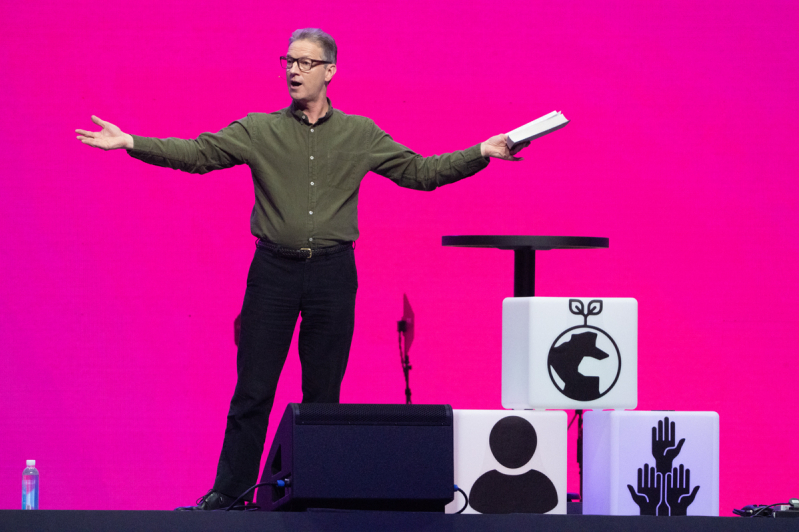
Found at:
(119, 282)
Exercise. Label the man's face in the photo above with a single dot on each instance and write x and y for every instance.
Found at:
(308, 86)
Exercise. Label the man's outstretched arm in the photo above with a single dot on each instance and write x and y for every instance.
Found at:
(410, 170)
(108, 138)
(209, 151)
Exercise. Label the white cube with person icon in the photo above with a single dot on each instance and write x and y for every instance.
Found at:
(510, 462)
(560, 352)
(651, 463)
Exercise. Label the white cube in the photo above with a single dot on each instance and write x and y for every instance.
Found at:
(510, 462)
(571, 353)
(651, 463)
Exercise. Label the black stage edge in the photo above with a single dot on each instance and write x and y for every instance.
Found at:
(155, 521)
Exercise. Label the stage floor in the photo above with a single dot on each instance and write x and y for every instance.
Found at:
(154, 521)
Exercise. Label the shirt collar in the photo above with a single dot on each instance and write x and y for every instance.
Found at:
(300, 115)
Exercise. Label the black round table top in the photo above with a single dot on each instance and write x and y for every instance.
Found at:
(525, 242)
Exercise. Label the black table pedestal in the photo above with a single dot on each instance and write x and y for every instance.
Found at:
(523, 272)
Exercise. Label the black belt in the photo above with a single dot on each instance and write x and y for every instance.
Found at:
(302, 253)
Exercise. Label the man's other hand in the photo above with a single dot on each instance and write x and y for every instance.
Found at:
(497, 147)
(109, 138)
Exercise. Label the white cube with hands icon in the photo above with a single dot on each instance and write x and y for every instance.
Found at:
(651, 463)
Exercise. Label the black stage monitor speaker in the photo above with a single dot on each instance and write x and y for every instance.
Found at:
(361, 457)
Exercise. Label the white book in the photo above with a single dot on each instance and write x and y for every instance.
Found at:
(537, 128)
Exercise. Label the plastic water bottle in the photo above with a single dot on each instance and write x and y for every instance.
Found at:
(30, 486)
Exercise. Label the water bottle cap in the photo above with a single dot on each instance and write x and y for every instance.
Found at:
(30, 463)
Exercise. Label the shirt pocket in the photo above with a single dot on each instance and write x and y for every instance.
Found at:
(345, 170)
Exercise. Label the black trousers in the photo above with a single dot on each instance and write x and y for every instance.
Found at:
(322, 291)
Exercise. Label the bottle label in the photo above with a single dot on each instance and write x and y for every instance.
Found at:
(29, 494)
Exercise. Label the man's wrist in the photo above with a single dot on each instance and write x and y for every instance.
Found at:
(128, 142)
(483, 149)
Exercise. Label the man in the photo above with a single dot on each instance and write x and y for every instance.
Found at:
(307, 163)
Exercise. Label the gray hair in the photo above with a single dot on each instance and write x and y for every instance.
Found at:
(317, 36)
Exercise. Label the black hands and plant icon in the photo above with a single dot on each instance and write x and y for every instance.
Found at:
(565, 356)
(663, 449)
(661, 489)
(678, 491)
(647, 497)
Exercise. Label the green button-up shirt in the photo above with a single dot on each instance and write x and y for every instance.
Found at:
(307, 175)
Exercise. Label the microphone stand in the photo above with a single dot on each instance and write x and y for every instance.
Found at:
(402, 328)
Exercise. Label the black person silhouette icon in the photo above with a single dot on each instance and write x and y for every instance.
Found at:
(566, 356)
(513, 442)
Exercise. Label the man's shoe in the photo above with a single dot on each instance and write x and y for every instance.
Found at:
(213, 500)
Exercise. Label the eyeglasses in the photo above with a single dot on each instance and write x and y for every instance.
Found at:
(303, 63)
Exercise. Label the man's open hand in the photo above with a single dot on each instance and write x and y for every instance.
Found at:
(497, 147)
(109, 138)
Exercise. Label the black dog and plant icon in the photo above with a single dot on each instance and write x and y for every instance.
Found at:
(573, 346)
(663, 489)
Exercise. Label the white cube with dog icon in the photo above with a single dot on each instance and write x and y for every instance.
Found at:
(660, 463)
(570, 353)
